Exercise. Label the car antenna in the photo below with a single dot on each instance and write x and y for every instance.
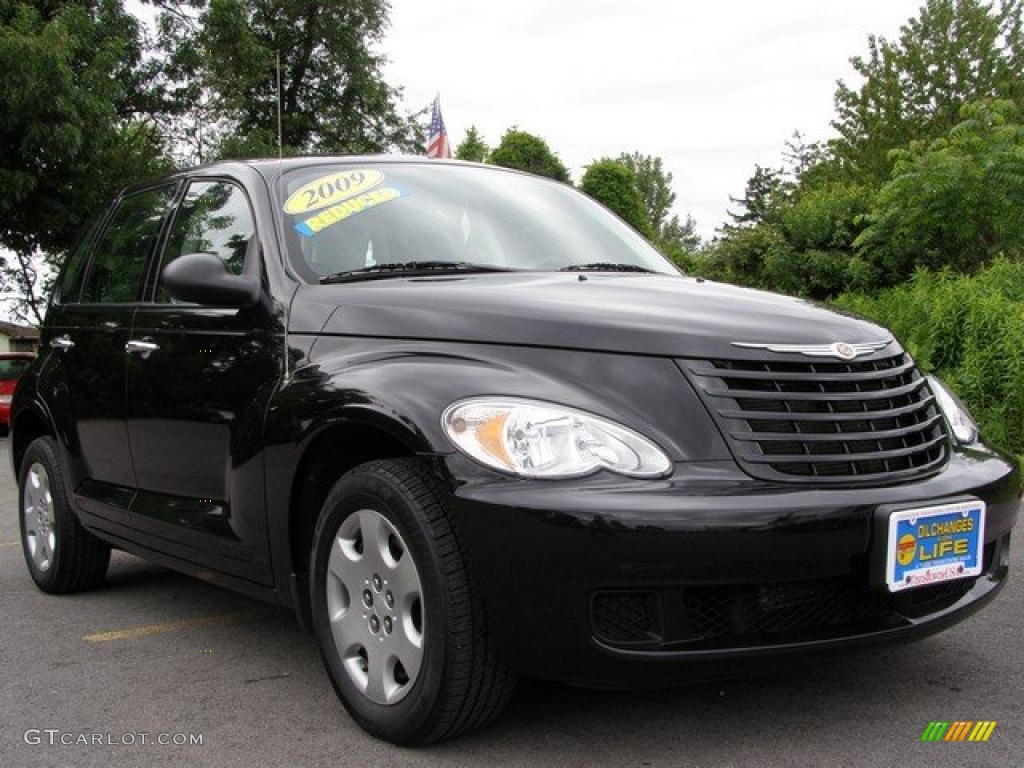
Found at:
(280, 137)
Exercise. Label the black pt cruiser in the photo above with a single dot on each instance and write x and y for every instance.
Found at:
(469, 426)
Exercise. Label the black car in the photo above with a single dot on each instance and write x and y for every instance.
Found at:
(470, 426)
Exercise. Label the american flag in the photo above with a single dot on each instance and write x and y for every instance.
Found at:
(437, 141)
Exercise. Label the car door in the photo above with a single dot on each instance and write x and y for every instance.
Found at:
(87, 331)
(198, 378)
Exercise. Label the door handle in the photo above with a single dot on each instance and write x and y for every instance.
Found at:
(143, 347)
(61, 343)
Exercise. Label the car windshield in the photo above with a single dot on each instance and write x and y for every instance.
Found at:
(11, 368)
(339, 218)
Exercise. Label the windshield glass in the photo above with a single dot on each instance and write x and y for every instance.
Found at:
(341, 217)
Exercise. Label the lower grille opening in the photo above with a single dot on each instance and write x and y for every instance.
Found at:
(627, 618)
(741, 614)
(759, 610)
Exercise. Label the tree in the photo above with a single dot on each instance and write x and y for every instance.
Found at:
(526, 152)
(956, 202)
(676, 239)
(927, 170)
(614, 184)
(802, 156)
(472, 147)
(680, 235)
(71, 97)
(654, 185)
(953, 53)
(763, 192)
(333, 94)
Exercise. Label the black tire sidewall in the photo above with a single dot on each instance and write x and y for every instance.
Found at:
(405, 720)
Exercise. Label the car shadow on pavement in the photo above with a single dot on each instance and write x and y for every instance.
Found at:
(800, 703)
(129, 574)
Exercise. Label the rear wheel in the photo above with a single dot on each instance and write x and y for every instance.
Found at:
(401, 631)
(61, 555)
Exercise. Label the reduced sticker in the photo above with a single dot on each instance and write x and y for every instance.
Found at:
(344, 210)
(332, 188)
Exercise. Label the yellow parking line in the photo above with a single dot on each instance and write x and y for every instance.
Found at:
(158, 629)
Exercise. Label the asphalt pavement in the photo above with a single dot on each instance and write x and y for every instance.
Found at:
(172, 657)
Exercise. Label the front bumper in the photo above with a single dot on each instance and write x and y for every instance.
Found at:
(613, 582)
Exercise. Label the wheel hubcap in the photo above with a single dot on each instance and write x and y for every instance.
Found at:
(375, 606)
(37, 510)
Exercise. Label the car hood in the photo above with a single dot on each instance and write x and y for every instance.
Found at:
(631, 313)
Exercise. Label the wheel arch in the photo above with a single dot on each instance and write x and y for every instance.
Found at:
(328, 452)
(30, 423)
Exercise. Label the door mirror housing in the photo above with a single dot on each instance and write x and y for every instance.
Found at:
(204, 278)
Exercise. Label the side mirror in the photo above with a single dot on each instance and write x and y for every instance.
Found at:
(204, 278)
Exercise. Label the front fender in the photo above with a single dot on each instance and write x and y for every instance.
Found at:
(403, 386)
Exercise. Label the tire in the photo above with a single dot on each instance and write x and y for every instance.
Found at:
(62, 556)
(459, 683)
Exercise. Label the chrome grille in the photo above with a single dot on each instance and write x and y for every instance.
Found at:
(863, 420)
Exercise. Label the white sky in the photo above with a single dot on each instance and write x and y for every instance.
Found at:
(711, 87)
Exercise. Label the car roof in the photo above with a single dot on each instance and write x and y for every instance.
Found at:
(271, 167)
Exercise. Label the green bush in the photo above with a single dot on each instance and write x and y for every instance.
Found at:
(526, 152)
(613, 184)
(970, 331)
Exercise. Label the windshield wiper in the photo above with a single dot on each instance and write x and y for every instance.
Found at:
(406, 268)
(605, 266)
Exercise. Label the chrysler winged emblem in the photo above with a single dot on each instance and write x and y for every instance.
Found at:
(841, 349)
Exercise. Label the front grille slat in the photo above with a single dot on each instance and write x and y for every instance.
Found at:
(733, 413)
(865, 456)
(816, 397)
(865, 420)
(882, 434)
(734, 373)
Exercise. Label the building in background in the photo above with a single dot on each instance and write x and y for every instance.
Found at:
(18, 338)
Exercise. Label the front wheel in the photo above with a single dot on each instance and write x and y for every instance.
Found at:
(401, 631)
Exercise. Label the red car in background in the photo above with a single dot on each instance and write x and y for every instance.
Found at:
(12, 365)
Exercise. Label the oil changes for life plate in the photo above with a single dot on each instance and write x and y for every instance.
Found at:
(931, 545)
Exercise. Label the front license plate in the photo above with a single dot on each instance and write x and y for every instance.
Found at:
(935, 544)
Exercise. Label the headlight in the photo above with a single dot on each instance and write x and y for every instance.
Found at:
(964, 429)
(5, 399)
(536, 439)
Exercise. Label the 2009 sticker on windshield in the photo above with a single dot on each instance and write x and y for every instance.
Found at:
(333, 188)
(341, 194)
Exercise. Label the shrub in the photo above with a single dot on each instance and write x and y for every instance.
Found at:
(526, 152)
(613, 184)
(969, 331)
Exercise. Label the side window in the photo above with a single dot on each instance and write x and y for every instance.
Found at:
(71, 274)
(214, 217)
(121, 254)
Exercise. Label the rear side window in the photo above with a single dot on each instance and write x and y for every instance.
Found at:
(121, 254)
(70, 277)
(214, 217)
